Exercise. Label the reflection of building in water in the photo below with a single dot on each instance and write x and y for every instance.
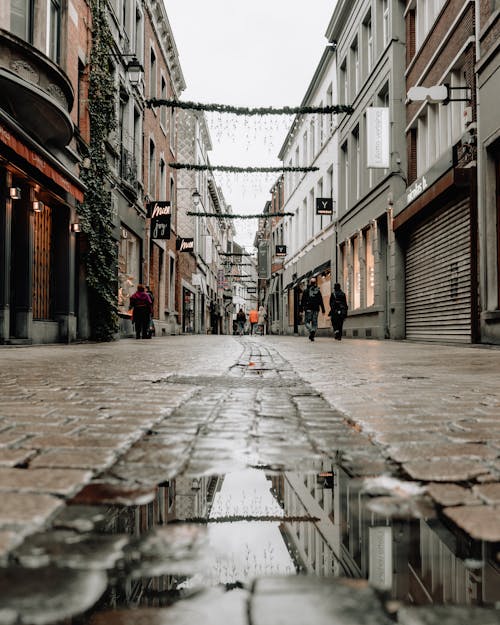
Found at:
(415, 560)
(194, 496)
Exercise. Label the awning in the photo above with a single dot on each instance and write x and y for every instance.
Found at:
(320, 268)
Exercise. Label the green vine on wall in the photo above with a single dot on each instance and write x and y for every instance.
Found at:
(96, 211)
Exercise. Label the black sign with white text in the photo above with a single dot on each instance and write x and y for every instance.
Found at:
(184, 245)
(280, 250)
(324, 206)
(160, 214)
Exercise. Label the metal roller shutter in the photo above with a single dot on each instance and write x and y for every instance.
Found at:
(438, 277)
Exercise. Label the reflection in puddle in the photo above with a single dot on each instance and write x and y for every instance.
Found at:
(207, 531)
(242, 550)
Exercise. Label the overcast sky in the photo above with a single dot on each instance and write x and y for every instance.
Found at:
(248, 53)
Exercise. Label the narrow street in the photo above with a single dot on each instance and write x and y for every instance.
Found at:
(209, 479)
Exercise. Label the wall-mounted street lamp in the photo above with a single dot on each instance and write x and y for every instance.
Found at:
(14, 193)
(37, 206)
(196, 197)
(134, 71)
(75, 227)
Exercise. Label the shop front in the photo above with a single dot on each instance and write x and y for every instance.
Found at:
(188, 310)
(38, 242)
(436, 226)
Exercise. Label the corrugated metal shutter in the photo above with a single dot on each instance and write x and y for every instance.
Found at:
(438, 277)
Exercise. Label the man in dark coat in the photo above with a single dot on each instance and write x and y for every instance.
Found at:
(311, 303)
(338, 310)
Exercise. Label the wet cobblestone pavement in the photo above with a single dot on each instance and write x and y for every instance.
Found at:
(254, 480)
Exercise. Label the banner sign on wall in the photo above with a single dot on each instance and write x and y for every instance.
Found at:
(377, 138)
(263, 260)
(324, 206)
(160, 213)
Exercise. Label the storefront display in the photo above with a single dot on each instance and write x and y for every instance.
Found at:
(129, 255)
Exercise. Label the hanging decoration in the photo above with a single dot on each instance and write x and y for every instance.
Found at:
(234, 254)
(226, 168)
(235, 216)
(243, 110)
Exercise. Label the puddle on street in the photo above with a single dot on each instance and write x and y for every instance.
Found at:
(156, 547)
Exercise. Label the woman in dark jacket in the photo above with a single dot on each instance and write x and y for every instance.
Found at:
(142, 309)
(338, 310)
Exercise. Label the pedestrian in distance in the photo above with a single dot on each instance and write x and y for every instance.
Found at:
(311, 304)
(142, 309)
(241, 319)
(338, 310)
(253, 318)
(261, 324)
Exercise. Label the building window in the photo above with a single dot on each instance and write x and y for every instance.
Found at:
(369, 43)
(345, 176)
(356, 174)
(355, 67)
(54, 37)
(425, 14)
(329, 102)
(21, 19)
(304, 149)
(172, 128)
(344, 84)
(321, 128)
(386, 22)
(152, 74)
(152, 170)
(163, 180)
(312, 140)
(163, 109)
(139, 35)
(129, 255)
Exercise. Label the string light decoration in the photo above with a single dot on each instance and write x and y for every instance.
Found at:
(235, 216)
(239, 170)
(244, 110)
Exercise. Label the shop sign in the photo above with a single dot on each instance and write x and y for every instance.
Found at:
(280, 250)
(324, 206)
(263, 260)
(251, 289)
(160, 213)
(184, 245)
(377, 140)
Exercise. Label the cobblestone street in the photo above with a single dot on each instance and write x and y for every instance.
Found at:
(93, 439)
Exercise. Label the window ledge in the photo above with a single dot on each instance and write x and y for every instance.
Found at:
(372, 310)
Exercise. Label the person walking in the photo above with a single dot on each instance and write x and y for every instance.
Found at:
(311, 304)
(338, 310)
(253, 318)
(241, 319)
(262, 320)
(142, 309)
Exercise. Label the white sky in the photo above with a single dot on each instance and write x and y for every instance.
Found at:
(248, 53)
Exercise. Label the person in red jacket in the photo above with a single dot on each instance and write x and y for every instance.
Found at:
(142, 309)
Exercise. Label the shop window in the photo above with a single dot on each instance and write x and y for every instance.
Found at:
(129, 254)
(187, 311)
(356, 303)
(370, 269)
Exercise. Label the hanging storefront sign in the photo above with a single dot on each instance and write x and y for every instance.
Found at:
(251, 289)
(377, 138)
(280, 250)
(184, 245)
(160, 214)
(324, 206)
(263, 260)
